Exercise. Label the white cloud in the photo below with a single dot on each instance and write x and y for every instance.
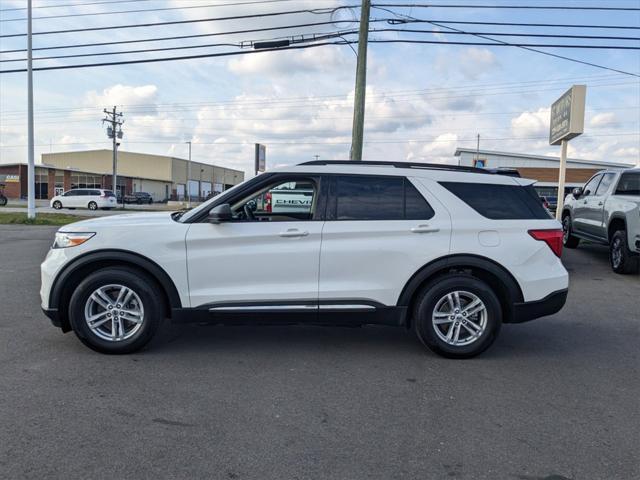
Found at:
(605, 119)
(122, 95)
(531, 123)
(474, 62)
(290, 62)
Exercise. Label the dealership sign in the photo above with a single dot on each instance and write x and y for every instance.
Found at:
(567, 115)
(9, 178)
(261, 158)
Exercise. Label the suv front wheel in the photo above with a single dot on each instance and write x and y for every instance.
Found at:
(457, 316)
(116, 310)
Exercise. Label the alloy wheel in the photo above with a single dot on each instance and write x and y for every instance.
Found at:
(114, 313)
(459, 318)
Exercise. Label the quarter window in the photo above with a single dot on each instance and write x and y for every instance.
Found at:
(500, 202)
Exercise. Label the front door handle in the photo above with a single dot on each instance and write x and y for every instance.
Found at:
(294, 232)
(600, 204)
(424, 229)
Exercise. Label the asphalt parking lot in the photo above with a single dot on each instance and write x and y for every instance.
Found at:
(557, 398)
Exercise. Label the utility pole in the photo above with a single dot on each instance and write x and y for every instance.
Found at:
(114, 132)
(357, 134)
(478, 150)
(189, 176)
(31, 169)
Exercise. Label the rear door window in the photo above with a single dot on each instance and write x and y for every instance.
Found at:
(376, 198)
(500, 202)
(629, 184)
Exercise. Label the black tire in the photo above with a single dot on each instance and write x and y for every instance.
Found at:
(3, 200)
(433, 293)
(57, 205)
(143, 286)
(93, 206)
(622, 259)
(568, 240)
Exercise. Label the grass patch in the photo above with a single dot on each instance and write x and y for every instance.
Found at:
(19, 218)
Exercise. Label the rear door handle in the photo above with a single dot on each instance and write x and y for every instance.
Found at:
(600, 204)
(424, 229)
(294, 232)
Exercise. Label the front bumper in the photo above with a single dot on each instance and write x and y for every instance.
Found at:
(552, 303)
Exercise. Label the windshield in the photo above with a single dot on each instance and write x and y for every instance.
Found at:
(194, 212)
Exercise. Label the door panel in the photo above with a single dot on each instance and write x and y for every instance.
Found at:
(581, 209)
(262, 256)
(253, 261)
(371, 260)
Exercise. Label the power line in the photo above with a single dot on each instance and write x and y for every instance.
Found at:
(166, 59)
(183, 37)
(74, 5)
(392, 94)
(317, 11)
(409, 19)
(511, 24)
(326, 36)
(555, 55)
(505, 7)
(295, 141)
(121, 12)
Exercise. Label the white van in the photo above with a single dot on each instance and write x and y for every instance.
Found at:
(91, 198)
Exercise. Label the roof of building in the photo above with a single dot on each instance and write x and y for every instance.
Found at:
(595, 163)
(121, 152)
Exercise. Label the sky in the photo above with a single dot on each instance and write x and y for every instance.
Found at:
(423, 100)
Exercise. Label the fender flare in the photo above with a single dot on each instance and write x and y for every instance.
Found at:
(116, 256)
(463, 260)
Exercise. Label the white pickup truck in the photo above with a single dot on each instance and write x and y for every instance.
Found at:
(607, 211)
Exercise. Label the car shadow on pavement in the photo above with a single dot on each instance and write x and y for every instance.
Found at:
(551, 337)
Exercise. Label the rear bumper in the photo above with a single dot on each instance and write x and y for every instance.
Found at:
(552, 303)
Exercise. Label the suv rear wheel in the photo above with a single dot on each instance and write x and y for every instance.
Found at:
(116, 310)
(568, 240)
(457, 316)
(622, 259)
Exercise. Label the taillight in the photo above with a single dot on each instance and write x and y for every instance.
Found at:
(267, 200)
(553, 238)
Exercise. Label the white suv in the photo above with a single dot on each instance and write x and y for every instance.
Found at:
(91, 198)
(451, 252)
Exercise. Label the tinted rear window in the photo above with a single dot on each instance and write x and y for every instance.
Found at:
(500, 202)
(109, 193)
(378, 198)
(629, 184)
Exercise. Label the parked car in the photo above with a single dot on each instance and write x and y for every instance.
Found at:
(139, 198)
(607, 211)
(91, 198)
(449, 252)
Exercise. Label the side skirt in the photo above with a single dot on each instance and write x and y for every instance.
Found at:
(342, 313)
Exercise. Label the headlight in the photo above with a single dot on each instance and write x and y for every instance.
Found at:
(66, 240)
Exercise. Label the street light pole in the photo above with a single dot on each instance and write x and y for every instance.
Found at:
(31, 169)
(361, 83)
(189, 176)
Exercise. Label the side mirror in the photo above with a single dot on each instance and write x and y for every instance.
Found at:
(221, 213)
(577, 192)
